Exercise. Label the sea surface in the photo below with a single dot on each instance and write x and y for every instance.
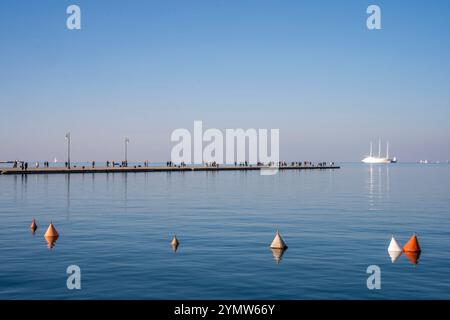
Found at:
(117, 228)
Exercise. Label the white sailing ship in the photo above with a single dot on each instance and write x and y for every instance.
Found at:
(379, 159)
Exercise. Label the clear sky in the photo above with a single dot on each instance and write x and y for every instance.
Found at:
(144, 68)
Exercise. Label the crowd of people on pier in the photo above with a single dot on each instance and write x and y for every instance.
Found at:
(123, 164)
(23, 165)
(116, 164)
(214, 164)
(172, 164)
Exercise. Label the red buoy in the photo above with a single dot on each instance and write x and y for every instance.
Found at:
(412, 245)
(33, 226)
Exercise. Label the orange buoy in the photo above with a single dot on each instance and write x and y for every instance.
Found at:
(412, 245)
(51, 235)
(51, 231)
(33, 226)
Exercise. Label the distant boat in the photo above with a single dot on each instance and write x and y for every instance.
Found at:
(371, 159)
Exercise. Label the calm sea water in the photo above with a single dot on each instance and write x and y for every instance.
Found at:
(117, 228)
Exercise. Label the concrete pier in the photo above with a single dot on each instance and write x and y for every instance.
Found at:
(19, 171)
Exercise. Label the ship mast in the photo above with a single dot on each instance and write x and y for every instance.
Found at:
(387, 150)
(379, 148)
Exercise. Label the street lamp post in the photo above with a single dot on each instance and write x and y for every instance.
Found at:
(126, 151)
(68, 149)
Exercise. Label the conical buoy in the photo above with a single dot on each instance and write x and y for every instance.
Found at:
(278, 242)
(394, 246)
(174, 243)
(51, 231)
(51, 235)
(33, 226)
(412, 245)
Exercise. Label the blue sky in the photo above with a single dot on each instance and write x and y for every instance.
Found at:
(144, 68)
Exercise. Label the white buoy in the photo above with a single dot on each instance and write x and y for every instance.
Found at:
(394, 250)
(394, 246)
(278, 242)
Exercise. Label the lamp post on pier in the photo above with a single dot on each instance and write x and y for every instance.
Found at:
(68, 149)
(126, 151)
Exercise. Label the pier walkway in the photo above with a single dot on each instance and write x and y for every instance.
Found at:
(19, 171)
